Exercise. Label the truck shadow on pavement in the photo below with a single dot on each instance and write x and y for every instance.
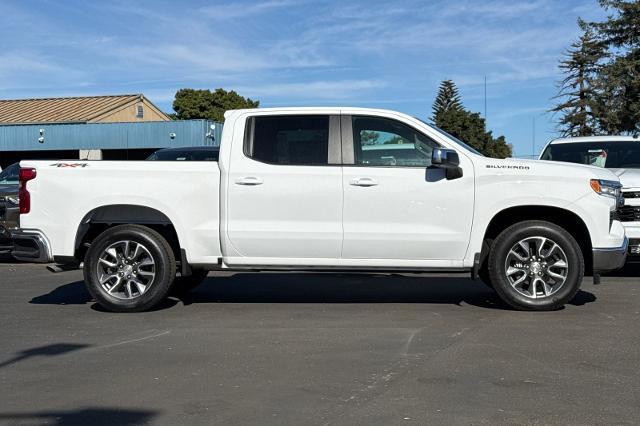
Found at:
(82, 416)
(43, 351)
(320, 288)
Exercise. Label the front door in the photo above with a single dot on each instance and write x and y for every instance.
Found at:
(285, 190)
(395, 205)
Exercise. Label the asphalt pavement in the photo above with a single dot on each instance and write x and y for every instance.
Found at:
(278, 348)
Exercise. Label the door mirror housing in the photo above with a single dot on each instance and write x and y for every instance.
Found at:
(448, 160)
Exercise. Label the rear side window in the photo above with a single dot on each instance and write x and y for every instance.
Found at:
(289, 140)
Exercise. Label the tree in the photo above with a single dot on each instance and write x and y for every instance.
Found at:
(193, 104)
(447, 100)
(619, 78)
(450, 115)
(368, 137)
(580, 105)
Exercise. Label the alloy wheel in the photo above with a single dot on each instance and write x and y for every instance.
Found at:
(126, 269)
(536, 267)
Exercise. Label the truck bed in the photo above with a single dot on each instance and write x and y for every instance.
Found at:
(66, 193)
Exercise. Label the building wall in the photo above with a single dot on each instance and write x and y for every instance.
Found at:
(129, 114)
(103, 140)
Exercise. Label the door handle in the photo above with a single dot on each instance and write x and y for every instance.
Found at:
(249, 181)
(364, 181)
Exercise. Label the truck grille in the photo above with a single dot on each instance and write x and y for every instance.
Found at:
(629, 213)
(631, 194)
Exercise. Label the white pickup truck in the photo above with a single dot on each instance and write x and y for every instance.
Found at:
(324, 189)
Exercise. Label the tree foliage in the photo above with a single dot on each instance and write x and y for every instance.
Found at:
(448, 99)
(194, 104)
(368, 137)
(579, 97)
(450, 115)
(609, 53)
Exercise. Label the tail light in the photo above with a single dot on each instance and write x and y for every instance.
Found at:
(25, 198)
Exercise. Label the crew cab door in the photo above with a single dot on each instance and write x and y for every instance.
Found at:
(396, 206)
(284, 190)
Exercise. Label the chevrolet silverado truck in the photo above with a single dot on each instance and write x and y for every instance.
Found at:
(324, 189)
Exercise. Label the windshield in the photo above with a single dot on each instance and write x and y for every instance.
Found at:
(453, 138)
(184, 155)
(610, 155)
(9, 176)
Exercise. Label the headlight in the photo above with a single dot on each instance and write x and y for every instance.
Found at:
(13, 200)
(610, 188)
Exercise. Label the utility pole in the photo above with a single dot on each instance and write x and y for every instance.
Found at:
(485, 98)
(533, 139)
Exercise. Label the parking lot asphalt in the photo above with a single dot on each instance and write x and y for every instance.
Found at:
(283, 348)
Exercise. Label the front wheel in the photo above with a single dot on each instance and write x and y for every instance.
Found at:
(129, 268)
(536, 265)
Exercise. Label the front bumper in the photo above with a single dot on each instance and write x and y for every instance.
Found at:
(610, 259)
(31, 245)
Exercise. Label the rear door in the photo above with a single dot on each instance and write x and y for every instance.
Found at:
(285, 190)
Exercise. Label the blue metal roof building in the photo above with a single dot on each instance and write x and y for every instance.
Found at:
(133, 141)
(99, 136)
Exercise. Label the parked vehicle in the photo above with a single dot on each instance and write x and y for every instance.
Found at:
(301, 189)
(196, 153)
(9, 209)
(620, 154)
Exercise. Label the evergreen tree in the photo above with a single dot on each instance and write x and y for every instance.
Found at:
(450, 116)
(619, 79)
(580, 100)
(448, 99)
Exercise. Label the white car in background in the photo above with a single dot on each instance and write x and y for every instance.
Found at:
(621, 155)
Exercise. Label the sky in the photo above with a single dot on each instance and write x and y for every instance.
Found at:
(378, 54)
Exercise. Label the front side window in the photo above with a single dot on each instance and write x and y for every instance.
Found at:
(385, 142)
(289, 140)
(610, 155)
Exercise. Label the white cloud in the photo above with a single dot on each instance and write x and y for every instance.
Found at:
(245, 9)
(338, 89)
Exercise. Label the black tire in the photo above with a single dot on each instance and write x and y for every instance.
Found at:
(183, 285)
(157, 287)
(528, 229)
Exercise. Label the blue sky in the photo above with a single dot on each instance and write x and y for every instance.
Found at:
(387, 54)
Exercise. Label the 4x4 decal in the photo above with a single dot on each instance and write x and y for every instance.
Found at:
(71, 165)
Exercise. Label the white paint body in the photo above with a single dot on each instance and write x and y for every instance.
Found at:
(312, 216)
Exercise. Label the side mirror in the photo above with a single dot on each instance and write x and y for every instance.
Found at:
(447, 159)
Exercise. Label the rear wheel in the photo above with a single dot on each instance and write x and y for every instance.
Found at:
(536, 265)
(129, 268)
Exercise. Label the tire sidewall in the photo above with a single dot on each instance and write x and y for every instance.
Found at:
(162, 280)
(518, 232)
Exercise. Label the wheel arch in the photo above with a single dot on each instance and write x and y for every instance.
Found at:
(556, 215)
(101, 218)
